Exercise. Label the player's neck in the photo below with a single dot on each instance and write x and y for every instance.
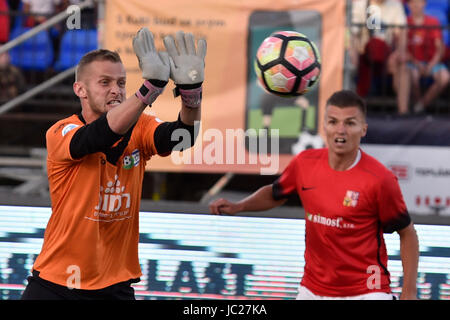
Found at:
(88, 115)
(343, 162)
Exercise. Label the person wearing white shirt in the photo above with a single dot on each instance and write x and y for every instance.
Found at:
(379, 35)
(41, 9)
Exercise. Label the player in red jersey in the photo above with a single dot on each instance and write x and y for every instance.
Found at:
(350, 200)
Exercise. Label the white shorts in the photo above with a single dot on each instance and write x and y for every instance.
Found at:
(305, 294)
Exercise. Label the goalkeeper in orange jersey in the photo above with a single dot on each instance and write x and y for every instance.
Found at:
(96, 163)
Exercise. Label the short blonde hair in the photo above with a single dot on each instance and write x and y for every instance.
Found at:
(95, 55)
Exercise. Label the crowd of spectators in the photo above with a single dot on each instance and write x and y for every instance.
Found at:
(28, 13)
(25, 14)
(399, 41)
(395, 44)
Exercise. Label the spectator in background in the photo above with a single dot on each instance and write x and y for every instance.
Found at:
(14, 6)
(379, 45)
(12, 81)
(40, 10)
(426, 50)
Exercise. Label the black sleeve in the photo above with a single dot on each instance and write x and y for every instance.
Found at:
(165, 142)
(277, 191)
(93, 137)
(402, 221)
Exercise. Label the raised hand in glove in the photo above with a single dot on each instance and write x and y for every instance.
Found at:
(155, 66)
(187, 64)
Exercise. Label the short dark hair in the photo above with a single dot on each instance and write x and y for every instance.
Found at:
(345, 99)
(96, 55)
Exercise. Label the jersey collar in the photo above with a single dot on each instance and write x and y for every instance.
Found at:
(358, 157)
(80, 116)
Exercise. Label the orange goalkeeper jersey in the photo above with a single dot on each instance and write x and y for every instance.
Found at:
(94, 226)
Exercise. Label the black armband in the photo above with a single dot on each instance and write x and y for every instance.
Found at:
(93, 137)
(277, 191)
(403, 220)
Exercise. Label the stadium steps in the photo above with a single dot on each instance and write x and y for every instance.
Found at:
(25, 125)
(23, 170)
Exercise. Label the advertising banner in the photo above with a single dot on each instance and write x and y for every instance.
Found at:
(237, 115)
(196, 256)
(417, 150)
(424, 179)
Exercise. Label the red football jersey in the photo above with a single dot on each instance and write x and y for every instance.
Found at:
(346, 213)
(421, 41)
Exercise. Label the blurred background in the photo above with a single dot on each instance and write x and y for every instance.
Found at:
(394, 53)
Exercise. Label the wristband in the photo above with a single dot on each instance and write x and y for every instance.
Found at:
(190, 98)
(148, 92)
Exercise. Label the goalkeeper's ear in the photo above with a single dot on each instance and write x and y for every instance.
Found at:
(79, 89)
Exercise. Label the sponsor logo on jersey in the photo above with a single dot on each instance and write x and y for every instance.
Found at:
(68, 128)
(329, 222)
(114, 202)
(130, 161)
(351, 198)
(59, 127)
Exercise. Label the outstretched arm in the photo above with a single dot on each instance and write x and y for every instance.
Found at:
(260, 200)
(409, 252)
(124, 116)
(155, 70)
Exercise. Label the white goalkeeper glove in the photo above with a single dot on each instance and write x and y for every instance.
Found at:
(155, 66)
(187, 66)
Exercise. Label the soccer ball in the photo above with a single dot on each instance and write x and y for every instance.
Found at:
(287, 63)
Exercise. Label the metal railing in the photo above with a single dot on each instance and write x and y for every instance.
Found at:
(31, 170)
(43, 26)
(381, 97)
(29, 34)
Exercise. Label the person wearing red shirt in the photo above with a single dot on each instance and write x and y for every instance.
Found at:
(350, 200)
(426, 50)
(4, 22)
